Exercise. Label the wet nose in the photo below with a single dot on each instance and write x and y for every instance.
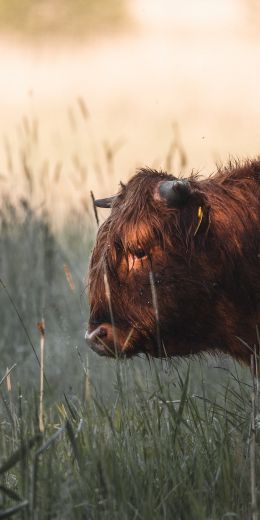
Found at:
(102, 339)
(99, 332)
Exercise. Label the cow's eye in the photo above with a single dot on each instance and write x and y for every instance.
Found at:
(140, 253)
(136, 258)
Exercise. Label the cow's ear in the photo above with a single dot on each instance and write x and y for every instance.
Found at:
(192, 204)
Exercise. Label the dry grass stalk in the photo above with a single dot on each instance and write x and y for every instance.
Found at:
(125, 345)
(69, 277)
(8, 371)
(110, 153)
(41, 328)
(9, 390)
(176, 150)
(8, 155)
(94, 207)
(156, 312)
(8, 380)
(57, 172)
(108, 297)
(86, 388)
(83, 108)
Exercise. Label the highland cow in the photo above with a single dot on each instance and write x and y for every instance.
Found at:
(176, 266)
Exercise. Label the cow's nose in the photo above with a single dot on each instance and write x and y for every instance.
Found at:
(99, 332)
(102, 339)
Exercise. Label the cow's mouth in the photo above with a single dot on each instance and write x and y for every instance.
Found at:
(110, 341)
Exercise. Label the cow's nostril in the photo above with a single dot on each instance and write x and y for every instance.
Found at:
(99, 332)
(102, 333)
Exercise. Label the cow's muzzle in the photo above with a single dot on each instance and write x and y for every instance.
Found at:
(103, 340)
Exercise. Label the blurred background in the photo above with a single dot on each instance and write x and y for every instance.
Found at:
(90, 90)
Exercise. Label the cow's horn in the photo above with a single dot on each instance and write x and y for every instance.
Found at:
(105, 203)
(175, 192)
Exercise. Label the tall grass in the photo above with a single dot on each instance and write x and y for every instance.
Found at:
(154, 449)
(128, 440)
(120, 439)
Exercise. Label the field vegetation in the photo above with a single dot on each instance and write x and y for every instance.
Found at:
(82, 437)
(109, 439)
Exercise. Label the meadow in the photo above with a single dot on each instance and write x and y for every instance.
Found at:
(101, 438)
(82, 437)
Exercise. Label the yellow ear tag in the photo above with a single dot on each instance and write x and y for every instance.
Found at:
(200, 217)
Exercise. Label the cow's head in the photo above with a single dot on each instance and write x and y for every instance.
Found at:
(151, 288)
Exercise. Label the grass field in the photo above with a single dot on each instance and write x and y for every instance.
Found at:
(128, 440)
(95, 438)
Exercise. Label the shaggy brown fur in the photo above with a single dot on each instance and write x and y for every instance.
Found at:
(205, 280)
